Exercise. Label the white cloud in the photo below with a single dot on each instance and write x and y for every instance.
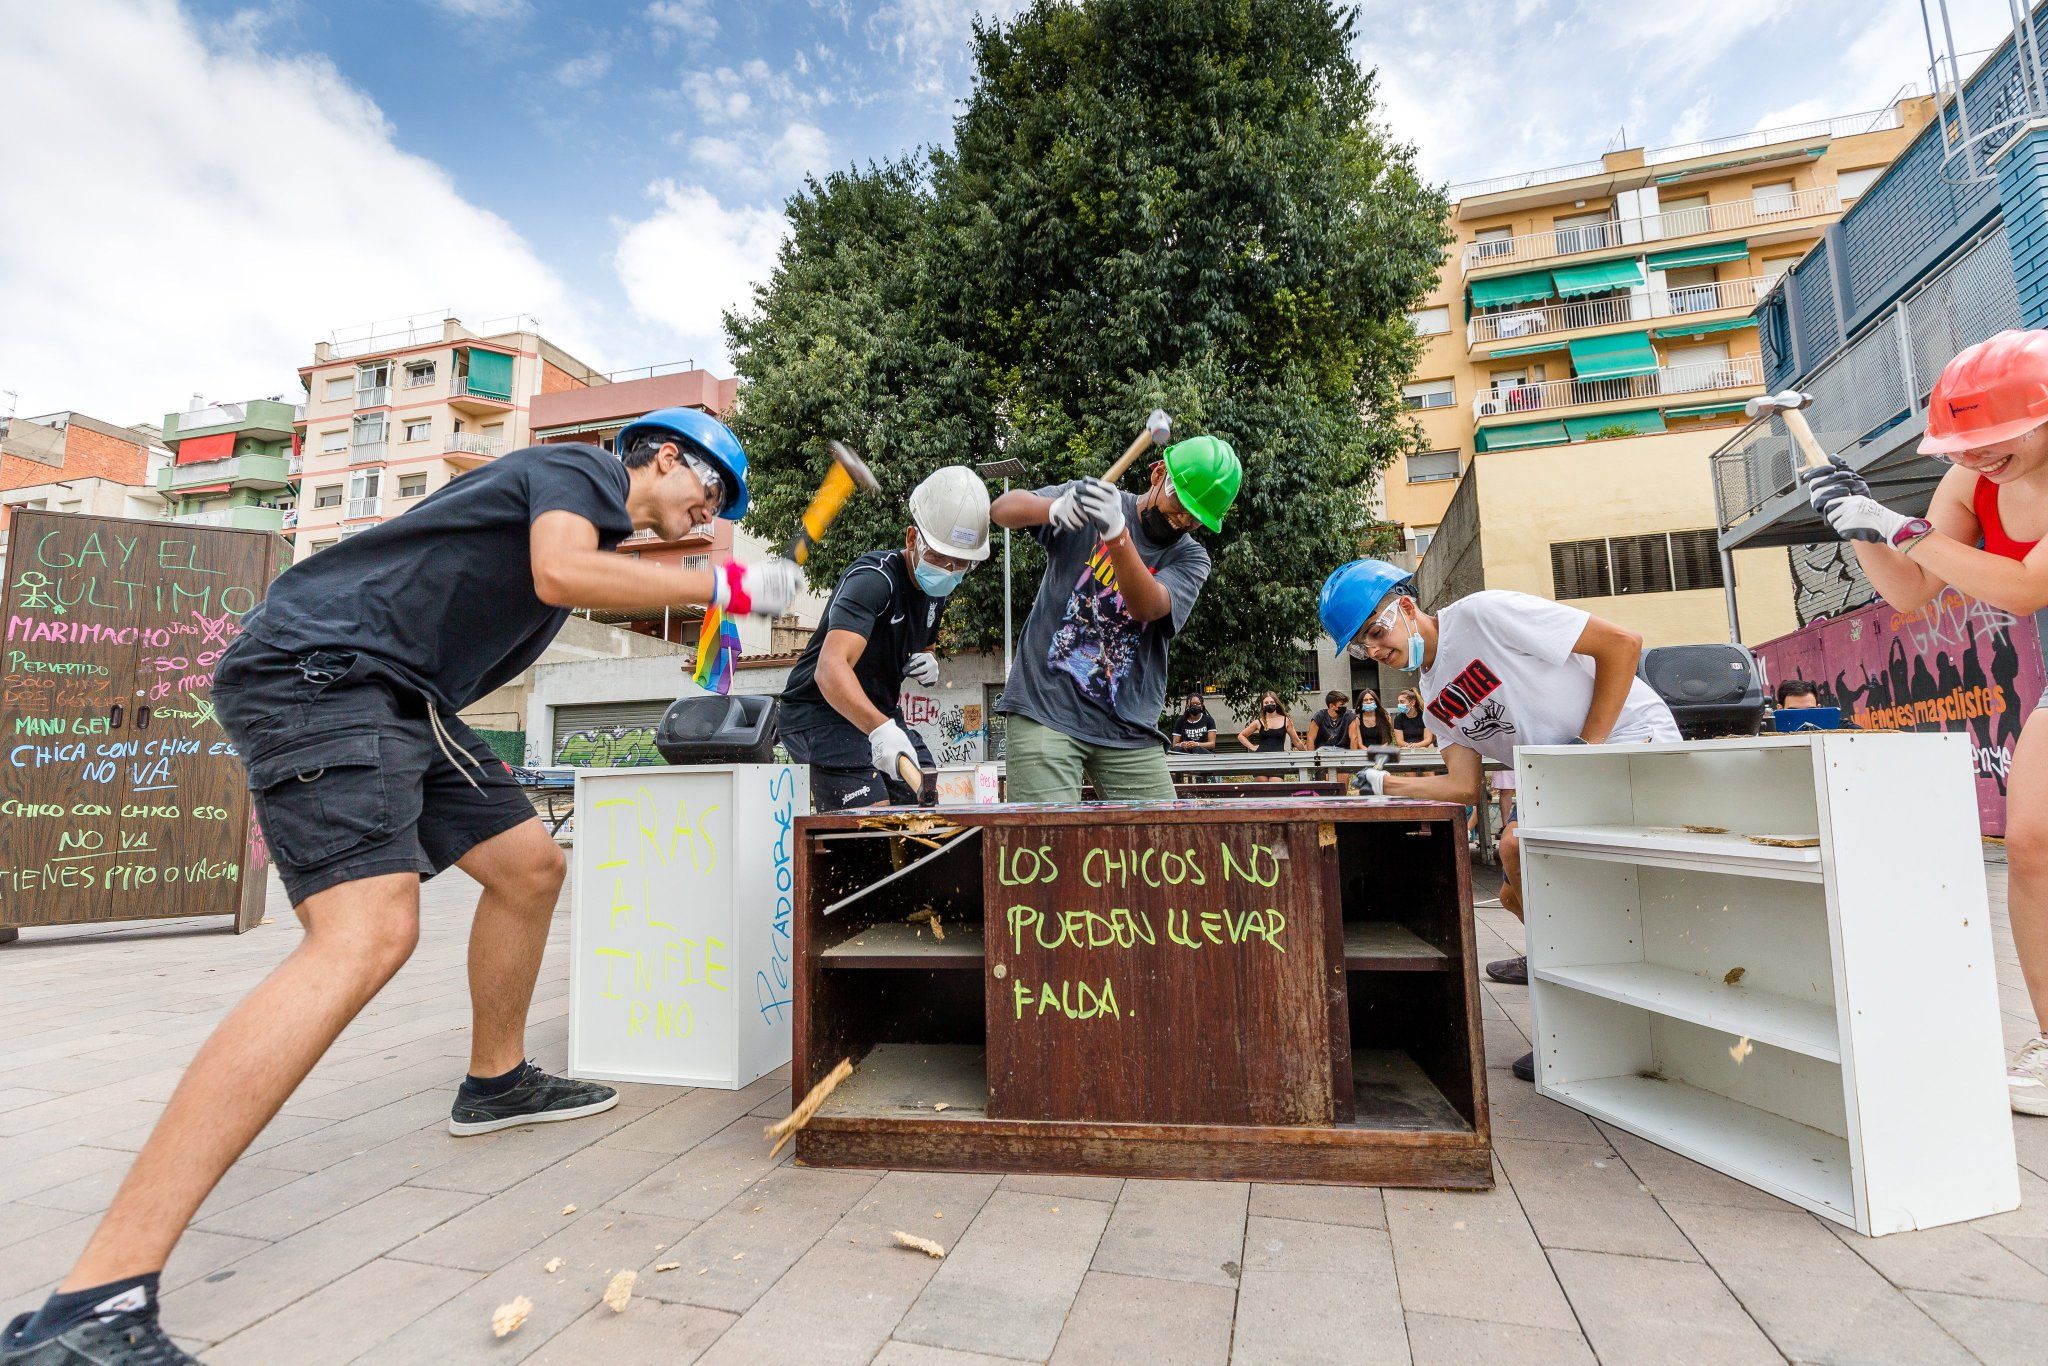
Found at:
(490, 10)
(754, 161)
(585, 70)
(674, 19)
(683, 267)
(199, 234)
(929, 39)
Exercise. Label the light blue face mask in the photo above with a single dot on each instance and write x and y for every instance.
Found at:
(936, 582)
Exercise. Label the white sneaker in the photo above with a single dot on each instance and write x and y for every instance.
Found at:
(2026, 1080)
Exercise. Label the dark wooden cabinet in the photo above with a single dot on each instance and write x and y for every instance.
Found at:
(1273, 989)
(120, 796)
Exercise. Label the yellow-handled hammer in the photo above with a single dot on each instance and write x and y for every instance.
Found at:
(848, 472)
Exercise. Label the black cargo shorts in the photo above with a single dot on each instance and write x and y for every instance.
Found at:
(349, 776)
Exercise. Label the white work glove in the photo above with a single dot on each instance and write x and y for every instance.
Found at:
(762, 590)
(1104, 507)
(1374, 778)
(922, 668)
(886, 743)
(1842, 498)
(1066, 514)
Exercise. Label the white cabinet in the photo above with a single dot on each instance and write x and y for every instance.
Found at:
(680, 957)
(1817, 1018)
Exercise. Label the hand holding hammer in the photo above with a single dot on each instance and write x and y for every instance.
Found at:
(1067, 514)
(1828, 482)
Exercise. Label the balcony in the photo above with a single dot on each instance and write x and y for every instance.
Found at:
(1760, 212)
(470, 395)
(1737, 372)
(378, 397)
(241, 471)
(363, 507)
(466, 451)
(259, 417)
(1687, 301)
(240, 519)
(368, 450)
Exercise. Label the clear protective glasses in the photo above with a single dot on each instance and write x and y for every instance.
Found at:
(1373, 632)
(939, 560)
(713, 482)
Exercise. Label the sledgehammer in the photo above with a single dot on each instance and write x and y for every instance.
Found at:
(1158, 431)
(848, 472)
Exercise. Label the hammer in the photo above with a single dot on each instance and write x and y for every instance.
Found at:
(1787, 405)
(1158, 431)
(913, 778)
(848, 472)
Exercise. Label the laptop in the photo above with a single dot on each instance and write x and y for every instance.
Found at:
(1788, 720)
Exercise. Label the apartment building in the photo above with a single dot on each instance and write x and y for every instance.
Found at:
(395, 410)
(68, 462)
(233, 465)
(1590, 341)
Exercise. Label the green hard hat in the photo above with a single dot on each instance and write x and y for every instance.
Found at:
(1205, 475)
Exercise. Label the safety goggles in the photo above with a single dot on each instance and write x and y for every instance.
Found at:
(1173, 510)
(713, 482)
(944, 563)
(1374, 632)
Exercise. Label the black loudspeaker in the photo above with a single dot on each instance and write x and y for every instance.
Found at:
(1711, 689)
(710, 729)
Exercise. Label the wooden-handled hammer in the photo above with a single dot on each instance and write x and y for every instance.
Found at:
(1158, 431)
(1787, 405)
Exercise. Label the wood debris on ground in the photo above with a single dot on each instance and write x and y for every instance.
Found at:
(782, 1130)
(506, 1318)
(1733, 976)
(925, 915)
(568, 1209)
(668, 1266)
(620, 1290)
(1776, 842)
(1706, 829)
(924, 1245)
(554, 1265)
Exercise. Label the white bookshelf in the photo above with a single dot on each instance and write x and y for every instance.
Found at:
(1818, 1019)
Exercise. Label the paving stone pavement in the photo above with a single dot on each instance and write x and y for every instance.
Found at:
(357, 1229)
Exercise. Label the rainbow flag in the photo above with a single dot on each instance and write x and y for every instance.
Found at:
(718, 647)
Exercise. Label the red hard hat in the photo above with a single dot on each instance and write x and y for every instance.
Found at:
(1991, 392)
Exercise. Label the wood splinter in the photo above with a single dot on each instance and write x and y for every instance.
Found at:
(782, 1130)
(1776, 843)
(924, 1245)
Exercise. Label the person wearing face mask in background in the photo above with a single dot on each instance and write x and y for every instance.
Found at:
(1194, 730)
(1499, 669)
(1330, 728)
(1272, 730)
(1122, 575)
(1410, 731)
(1369, 721)
(839, 712)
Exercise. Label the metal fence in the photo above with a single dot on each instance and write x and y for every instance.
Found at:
(1880, 379)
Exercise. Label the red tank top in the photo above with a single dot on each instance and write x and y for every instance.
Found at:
(1984, 499)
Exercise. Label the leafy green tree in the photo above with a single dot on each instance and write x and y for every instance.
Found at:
(1174, 203)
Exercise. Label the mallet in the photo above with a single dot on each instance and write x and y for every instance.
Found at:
(1787, 405)
(848, 472)
(913, 778)
(1158, 431)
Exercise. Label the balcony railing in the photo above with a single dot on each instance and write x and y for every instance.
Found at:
(368, 450)
(377, 397)
(462, 443)
(1878, 381)
(242, 518)
(363, 507)
(1737, 372)
(1758, 211)
(462, 389)
(261, 470)
(1626, 308)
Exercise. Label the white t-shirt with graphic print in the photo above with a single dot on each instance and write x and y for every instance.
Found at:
(1505, 675)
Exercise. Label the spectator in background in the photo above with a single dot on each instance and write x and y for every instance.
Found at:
(1369, 724)
(1331, 727)
(1410, 732)
(1272, 730)
(1194, 732)
(1797, 692)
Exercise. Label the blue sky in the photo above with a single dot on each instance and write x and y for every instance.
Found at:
(216, 184)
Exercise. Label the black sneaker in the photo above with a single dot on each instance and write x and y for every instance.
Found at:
(1525, 1067)
(536, 1098)
(1513, 971)
(125, 1337)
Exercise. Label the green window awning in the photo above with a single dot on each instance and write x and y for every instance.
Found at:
(1712, 254)
(490, 374)
(1520, 437)
(1526, 350)
(1698, 329)
(1638, 423)
(1716, 166)
(1573, 281)
(1704, 410)
(1511, 289)
(1617, 357)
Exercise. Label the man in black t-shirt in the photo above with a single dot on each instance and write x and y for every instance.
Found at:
(1194, 730)
(340, 696)
(1329, 728)
(839, 712)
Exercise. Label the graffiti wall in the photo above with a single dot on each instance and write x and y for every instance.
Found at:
(953, 722)
(1955, 665)
(1827, 581)
(609, 747)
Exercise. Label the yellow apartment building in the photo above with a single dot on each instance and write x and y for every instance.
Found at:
(395, 410)
(1588, 343)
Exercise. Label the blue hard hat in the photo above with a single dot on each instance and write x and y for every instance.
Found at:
(703, 436)
(1350, 594)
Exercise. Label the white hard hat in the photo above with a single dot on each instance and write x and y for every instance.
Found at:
(950, 510)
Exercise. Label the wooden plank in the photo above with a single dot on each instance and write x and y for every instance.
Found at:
(917, 870)
(1383, 946)
(1172, 977)
(893, 944)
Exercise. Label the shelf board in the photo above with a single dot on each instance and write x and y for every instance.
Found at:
(1393, 1092)
(1670, 846)
(897, 1079)
(1763, 1017)
(1383, 946)
(1791, 1161)
(893, 944)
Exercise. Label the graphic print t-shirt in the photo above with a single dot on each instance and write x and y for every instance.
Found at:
(1505, 675)
(1197, 730)
(1085, 666)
